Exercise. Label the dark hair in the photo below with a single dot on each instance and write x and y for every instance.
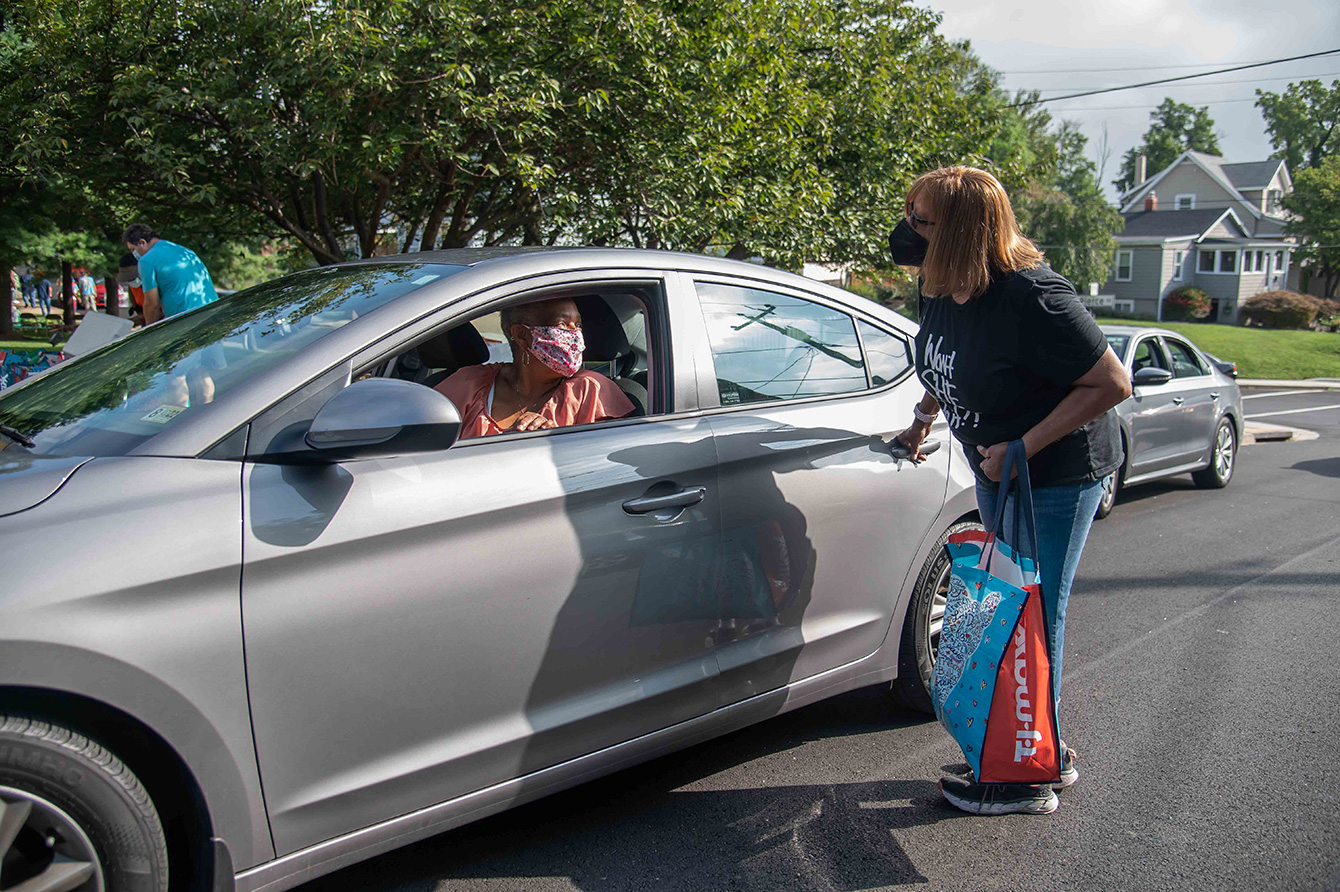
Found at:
(138, 232)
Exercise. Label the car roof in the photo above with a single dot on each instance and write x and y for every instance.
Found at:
(1134, 330)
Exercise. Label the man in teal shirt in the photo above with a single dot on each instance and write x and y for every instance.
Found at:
(174, 278)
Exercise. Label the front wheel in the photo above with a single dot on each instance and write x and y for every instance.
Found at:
(73, 818)
(1222, 458)
(921, 629)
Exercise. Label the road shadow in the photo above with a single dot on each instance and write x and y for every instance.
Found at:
(1326, 467)
(638, 829)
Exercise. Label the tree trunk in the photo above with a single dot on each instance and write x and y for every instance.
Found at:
(112, 295)
(67, 292)
(6, 304)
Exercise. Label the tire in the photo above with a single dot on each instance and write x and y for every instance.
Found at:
(1223, 457)
(921, 636)
(1111, 487)
(71, 807)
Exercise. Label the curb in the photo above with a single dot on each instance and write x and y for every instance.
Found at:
(1260, 432)
(1318, 384)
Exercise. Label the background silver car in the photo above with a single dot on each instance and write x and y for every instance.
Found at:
(264, 616)
(1185, 414)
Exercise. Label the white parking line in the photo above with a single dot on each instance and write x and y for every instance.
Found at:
(1293, 411)
(1257, 396)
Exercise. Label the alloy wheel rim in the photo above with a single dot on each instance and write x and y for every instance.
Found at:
(1223, 453)
(43, 849)
(1109, 490)
(935, 617)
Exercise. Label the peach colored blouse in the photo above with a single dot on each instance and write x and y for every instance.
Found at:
(581, 399)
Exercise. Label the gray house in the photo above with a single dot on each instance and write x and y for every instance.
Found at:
(1222, 230)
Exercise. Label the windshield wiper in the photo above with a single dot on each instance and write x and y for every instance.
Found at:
(17, 436)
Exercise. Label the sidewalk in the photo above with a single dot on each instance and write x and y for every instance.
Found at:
(1319, 384)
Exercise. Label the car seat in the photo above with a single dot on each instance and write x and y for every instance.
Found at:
(454, 349)
(607, 342)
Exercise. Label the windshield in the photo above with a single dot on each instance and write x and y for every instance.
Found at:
(1118, 343)
(114, 399)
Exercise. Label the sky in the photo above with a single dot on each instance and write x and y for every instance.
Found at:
(1061, 46)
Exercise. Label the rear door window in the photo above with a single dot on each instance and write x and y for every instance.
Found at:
(770, 346)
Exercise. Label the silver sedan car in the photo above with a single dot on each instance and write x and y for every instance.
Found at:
(1185, 414)
(266, 613)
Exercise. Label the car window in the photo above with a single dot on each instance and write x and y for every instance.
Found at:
(770, 346)
(471, 361)
(1186, 364)
(1118, 344)
(888, 356)
(114, 399)
(1148, 355)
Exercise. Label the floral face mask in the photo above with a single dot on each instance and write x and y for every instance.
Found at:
(558, 347)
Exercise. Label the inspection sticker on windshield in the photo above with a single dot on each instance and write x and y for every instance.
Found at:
(164, 414)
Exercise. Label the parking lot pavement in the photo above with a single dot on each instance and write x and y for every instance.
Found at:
(1202, 694)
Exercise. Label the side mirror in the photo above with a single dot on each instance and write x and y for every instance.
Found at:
(383, 418)
(1149, 377)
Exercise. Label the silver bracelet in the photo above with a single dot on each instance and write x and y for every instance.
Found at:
(922, 416)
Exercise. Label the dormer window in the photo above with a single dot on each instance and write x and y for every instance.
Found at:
(1185, 202)
(1273, 201)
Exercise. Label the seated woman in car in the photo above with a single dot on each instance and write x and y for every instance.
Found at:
(543, 386)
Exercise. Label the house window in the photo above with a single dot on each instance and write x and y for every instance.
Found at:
(1228, 261)
(1260, 264)
(1205, 262)
(1125, 261)
(1179, 258)
(1273, 199)
(1123, 306)
(1185, 202)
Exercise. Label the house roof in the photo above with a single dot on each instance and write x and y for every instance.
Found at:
(1171, 224)
(1218, 170)
(1251, 174)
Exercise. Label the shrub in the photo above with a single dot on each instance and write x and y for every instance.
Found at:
(1187, 303)
(1280, 309)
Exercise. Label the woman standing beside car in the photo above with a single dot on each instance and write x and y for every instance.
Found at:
(1007, 351)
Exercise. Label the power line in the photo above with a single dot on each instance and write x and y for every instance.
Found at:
(1255, 80)
(1136, 68)
(1169, 80)
(1075, 111)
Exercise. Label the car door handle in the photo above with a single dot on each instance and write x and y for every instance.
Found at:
(1177, 400)
(898, 450)
(682, 499)
(1214, 395)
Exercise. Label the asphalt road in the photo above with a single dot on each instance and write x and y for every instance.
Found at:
(1202, 693)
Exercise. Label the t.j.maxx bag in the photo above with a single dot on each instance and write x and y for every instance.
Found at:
(992, 682)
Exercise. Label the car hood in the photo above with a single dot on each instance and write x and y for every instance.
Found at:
(28, 480)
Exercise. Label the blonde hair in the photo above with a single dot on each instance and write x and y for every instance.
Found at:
(975, 234)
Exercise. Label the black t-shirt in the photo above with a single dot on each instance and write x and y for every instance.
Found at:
(1001, 363)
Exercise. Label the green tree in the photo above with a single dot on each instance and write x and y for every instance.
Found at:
(1303, 122)
(781, 128)
(1315, 208)
(1176, 127)
(1069, 217)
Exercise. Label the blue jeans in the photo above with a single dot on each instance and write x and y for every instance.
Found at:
(1063, 515)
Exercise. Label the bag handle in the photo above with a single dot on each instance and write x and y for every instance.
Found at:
(1014, 470)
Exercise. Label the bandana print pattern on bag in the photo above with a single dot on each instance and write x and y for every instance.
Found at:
(558, 347)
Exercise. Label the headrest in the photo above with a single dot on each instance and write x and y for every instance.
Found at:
(605, 338)
(455, 348)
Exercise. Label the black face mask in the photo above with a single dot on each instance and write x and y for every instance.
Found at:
(907, 246)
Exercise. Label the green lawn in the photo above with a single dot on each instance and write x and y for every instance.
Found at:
(1260, 352)
(19, 342)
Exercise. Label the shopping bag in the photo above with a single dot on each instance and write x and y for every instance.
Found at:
(992, 683)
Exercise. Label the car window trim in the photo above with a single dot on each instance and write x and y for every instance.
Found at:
(1156, 345)
(851, 312)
